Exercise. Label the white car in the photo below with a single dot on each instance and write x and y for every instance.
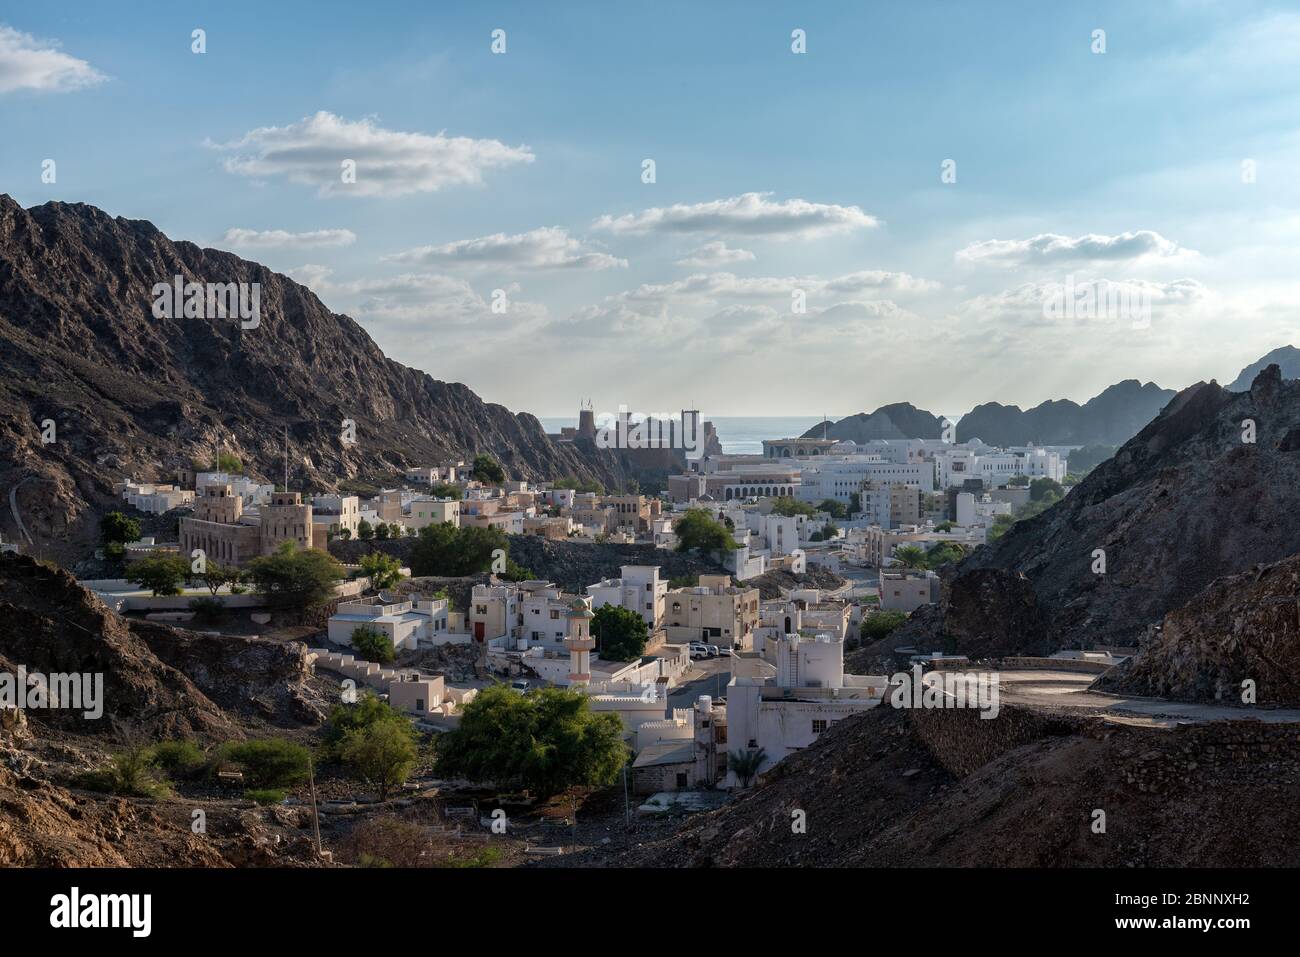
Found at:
(520, 686)
(699, 650)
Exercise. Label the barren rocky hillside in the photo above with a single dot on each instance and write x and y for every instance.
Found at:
(1181, 504)
(132, 395)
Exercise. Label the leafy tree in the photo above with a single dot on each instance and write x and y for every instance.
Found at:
(789, 507)
(382, 532)
(179, 757)
(488, 469)
(1018, 481)
(546, 741)
(161, 573)
(367, 710)
(444, 549)
(381, 753)
(365, 531)
(909, 556)
(270, 762)
(855, 502)
(1045, 490)
(698, 529)
(115, 530)
(394, 530)
(745, 764)
(833, 508)
(878, 625)
(999, 528)
(1084, 460)
(586, 485)
(293, 578)
(829, 531)
(620, 634)
(383, 569)
(941, 553)
(214, 576)
(373, 645)
(943, 527)
(446, 491)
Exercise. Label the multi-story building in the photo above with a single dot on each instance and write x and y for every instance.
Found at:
(431, 511)
(334, 514)
(640, 590)
(907, 591)
(810, 693)
(154, 499)
(715, 612)
(996, 467)
(227, 534)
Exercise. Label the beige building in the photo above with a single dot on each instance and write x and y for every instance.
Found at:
(715, 612)
(229, 536)
(432, 511)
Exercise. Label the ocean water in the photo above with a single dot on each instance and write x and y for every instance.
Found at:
(739, 434)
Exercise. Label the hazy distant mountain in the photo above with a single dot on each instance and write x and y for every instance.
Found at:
(1286, 358)
(900, 420)
(1111, 418)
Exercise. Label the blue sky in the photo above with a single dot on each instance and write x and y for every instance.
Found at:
(775, 172)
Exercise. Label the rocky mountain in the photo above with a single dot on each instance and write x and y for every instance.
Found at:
(1286, 358)
(1210, 488)
(1111, 418)
(899, 420)
(97, 388)
(917, 788)
(1242, 627)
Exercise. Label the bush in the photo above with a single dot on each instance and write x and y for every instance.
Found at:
(265, 795)
(373, 645)
(116, 529)
(698, 529)
(162, 574)
(487, 469)
(369, 709)
(382, 754)
(291, 578)
(877, 626)
(179, 758)
(208, 609)
(270, 762)
(130, 773)
(383, 570)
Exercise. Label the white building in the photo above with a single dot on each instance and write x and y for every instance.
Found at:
(996, 467)
(809, 693)
(241, 486)
(404, 621)
(640, 590)
(155, 499)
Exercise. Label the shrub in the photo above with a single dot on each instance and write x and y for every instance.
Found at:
(129, 772)
(162, 574)
(179, 758)
(373, 645)
(265, 795)
(270, 762)
(382, 754)
(208, 609)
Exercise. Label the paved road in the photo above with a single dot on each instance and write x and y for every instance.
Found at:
(1069, 690)
(709, 677)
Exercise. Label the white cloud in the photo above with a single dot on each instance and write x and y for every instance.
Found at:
(27, 63)
(1144, 245)
(388, 163)
(1095, 300)
(750, 214)
(720, 287)
(273, 238)
(546, 248)
(715, 254)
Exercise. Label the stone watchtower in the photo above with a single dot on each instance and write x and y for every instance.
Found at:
(578, 640)
(285, 519)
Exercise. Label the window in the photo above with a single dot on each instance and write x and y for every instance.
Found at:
(555, 614)
(818, 726)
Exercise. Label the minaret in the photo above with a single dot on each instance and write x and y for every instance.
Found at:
(579, 641)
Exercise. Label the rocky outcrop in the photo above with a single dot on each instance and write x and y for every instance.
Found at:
(1286, 358)
(1110, 418)
(159, 681)
(899, 420)
(1241, 628)
(134, 396)
(1187, 500)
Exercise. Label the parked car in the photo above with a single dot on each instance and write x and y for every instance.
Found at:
(699, 650)
(714, 650)
(519, 685)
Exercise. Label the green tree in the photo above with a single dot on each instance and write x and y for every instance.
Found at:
(368, 709)
(1018, 481)
(698, 529)
(382, 532)
(159, 572)
(444, 549)
(373, 645)
(294, 578)
(620, 634)
(383, 569)
(855, 502)
(446, 491)
(909, 556)
(829, 531)
(488, 469)
(1045, 490)
(382, 754)
(546, 741)
(789, 507)
(999, 528)
(833, 508)
(745, 764)
(878, 625)
(941, 553)
(215, 576)
(115, 530)
(365, 531)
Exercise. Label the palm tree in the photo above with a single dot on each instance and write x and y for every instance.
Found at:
(745, 764)
(909, 556)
